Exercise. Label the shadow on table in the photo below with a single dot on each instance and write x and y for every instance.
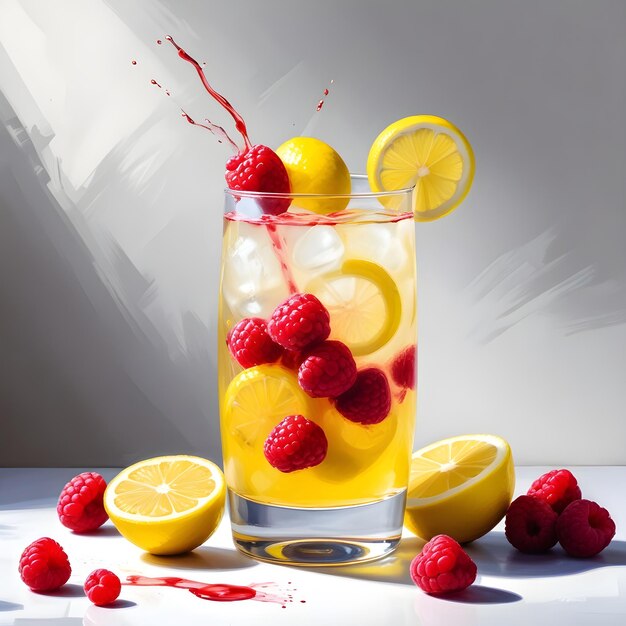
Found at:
(10, 606)
(69, 590)
(495, 556)
(202, 558)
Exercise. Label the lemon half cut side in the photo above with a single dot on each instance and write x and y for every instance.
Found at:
(428, 153)
(461, 487)
(167, 504)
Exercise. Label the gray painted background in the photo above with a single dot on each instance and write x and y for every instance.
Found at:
(110, 211)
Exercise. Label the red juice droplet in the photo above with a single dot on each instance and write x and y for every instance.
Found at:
(159, 42)
(320, 104)
(134, 62)
(240, 125)
(153, 82)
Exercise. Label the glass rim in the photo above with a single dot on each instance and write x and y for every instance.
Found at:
(359, 195)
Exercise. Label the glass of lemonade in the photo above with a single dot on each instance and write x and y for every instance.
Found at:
(356, 255)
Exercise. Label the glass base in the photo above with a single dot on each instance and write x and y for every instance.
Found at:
(317, 537)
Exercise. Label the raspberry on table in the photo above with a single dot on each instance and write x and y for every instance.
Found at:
(80, 506)
(44, 566)
(260, 169)
(295, 443)
(328, 370)
(584, 528)
(102, 587)
(403, 368)
(442, 566)
(299, 322)
(530, 525)
(250, 344)
(558, 488)
(368, 401)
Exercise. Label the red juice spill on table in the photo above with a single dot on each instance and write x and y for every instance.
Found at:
(240, 125)
(217, 592)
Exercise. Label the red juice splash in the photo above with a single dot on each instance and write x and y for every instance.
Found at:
(240, 125)
(154, 82)
(218, 131)
(215, 592)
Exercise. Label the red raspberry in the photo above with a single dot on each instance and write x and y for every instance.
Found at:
(80, 506)
(368, 401)
(530, 525)
(292, 359)
(44, 566)
(250, 344)
(260, 169)
(328, 370)
(584, 528)
(558, 488)
(403, 368)
(102, 587)
(442, 566)
(295, 443)
(300, 321)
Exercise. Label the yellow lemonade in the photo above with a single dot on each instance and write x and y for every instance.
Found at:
(360, 264)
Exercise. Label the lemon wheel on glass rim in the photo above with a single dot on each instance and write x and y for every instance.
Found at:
(167, 504)
(364, 304)
(428, 153)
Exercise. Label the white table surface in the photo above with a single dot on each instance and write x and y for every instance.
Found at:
(511, 588)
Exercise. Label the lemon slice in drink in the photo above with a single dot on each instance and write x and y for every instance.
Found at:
(364, 304)
(259, 398)
(460, 487)
(167, 504)
(427, 152)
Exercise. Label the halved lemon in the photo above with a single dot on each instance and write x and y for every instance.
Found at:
(429, 153)
(364, 304)
(259, 398)
(167, 504)
(460, 487)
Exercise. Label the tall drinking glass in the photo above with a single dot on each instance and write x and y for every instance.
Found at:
(356, 254)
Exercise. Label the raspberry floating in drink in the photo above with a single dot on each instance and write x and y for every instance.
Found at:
(296, 443)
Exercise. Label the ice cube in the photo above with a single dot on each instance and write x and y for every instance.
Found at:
(380, 243)
(253, 283)
(320, 248)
